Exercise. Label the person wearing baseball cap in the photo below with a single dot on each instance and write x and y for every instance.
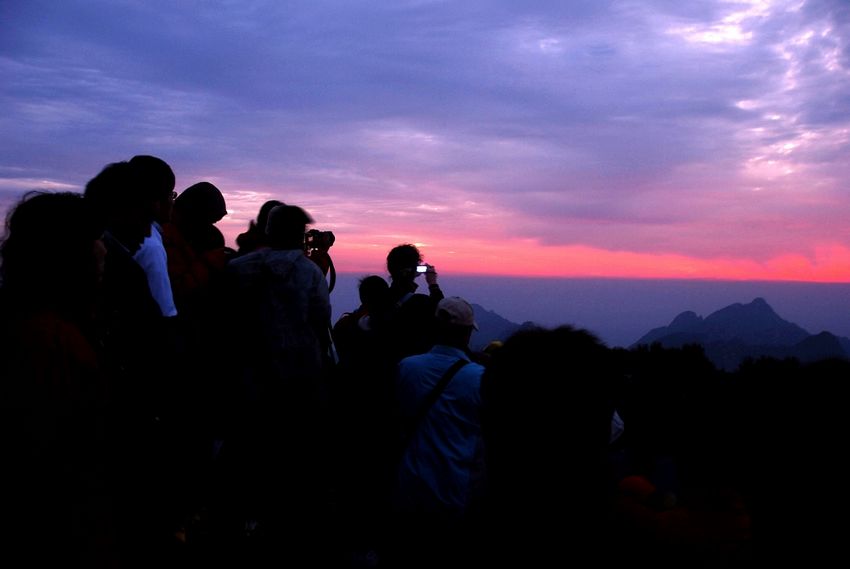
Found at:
(455, 312)
(438, 395)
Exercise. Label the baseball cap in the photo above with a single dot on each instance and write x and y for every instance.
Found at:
(456, 311)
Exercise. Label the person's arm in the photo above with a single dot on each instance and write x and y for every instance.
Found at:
(151, 256)
(319, 312)
(434, 290)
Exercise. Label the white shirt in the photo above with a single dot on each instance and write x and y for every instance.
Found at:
(152, 258)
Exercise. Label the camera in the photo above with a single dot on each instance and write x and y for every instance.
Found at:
(318, 240)
(421, 268)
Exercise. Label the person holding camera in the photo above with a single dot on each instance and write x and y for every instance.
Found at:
(316, 246)
(412, 323)
(280, 317)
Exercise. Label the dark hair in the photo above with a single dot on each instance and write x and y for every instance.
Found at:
(255, 236)
(116, 188)
(200, 204)
(373, 290)
(405, 256)
(47, 252)
(154, 175)
(286, 226)
(263, 215)
(127, 208)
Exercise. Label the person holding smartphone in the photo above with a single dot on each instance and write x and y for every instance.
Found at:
(413, 313)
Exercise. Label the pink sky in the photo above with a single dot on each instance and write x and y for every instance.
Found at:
(624, 139)
(479, 243)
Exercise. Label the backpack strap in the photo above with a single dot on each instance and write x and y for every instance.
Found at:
(430, 399)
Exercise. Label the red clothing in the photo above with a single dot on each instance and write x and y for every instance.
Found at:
(190, 271)
(57, 459)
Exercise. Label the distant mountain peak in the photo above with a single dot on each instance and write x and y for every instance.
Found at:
(685, 320)
(760, 305)
(751, 319)
(741, 329)
(491, 326)
(755, 323)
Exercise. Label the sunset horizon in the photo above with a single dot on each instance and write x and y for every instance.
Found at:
(646, 140)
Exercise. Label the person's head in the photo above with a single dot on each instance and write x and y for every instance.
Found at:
(546, 389)
(126, 208)
(263, 215)
(157, 177)
(374, 290)
(51, 254)
(286, 227)
(402, 261)
(454, 322)
(255, 237)
(200, 204)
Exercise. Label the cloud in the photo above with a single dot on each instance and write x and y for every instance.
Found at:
(703, 129)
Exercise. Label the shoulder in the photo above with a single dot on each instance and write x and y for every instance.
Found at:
(416, 361)
(350, 318)
(346, 324)
(151, 250)
(119, 265)
(302, 260)
(170, 234)
(417, 303)
(472, 372)
(241, 262)
(243, 259)
(52, 336)
(309, 268)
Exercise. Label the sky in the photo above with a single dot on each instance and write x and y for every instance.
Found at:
(545, 138)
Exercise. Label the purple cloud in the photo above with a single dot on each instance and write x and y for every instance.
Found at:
(704, 129)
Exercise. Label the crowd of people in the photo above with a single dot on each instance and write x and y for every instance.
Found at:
(170, 401)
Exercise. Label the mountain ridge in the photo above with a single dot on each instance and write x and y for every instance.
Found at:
(491, 326)
(728, 335)
(739, 331)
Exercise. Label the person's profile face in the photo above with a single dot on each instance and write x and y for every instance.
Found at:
(164, 207)
(138, 227)
(408, 273)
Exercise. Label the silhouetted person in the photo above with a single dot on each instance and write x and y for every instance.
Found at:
(413, 318)
(255, 237)
(136, 355)
(281, 332)
(156, 176)
(363, 395)
(677, 500)
(57, 506)
(130, 313)
(288, 303)
(196, 261)
(546, 421)
(441, 465)
(195, 246)
(372, 315)
(789, 435)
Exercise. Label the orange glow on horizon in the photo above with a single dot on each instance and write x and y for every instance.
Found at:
(366, 254)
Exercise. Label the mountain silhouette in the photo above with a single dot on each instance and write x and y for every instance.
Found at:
(741, 331)
(491, 327)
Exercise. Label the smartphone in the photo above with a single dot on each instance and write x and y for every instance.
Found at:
(421, 268)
